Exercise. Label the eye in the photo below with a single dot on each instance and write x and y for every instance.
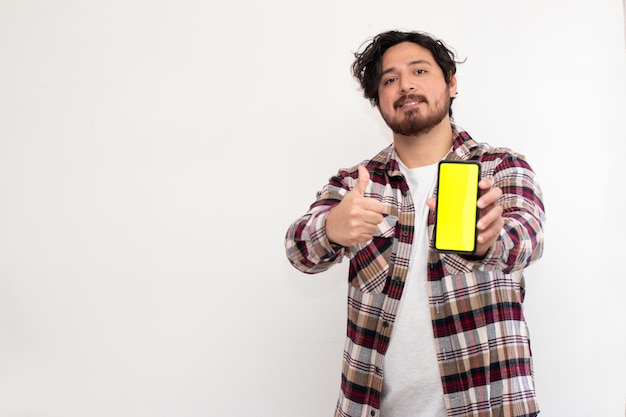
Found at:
(420, 71)
(389, 80)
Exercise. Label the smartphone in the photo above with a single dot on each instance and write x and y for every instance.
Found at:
(456, 212)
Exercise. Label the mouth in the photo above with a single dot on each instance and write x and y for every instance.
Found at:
(408, 102)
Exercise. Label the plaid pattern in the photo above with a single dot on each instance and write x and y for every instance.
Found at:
(481, 338)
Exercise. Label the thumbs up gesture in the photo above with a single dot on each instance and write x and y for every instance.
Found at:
(355, 219)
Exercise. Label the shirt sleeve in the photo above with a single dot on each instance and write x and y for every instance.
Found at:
(306, 243)
(521, 240)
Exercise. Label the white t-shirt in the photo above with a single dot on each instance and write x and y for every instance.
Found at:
(412, 383)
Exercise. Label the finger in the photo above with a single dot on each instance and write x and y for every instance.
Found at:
(489, 217)
(431, 202)
(373, 205)
(491, 233)
(485, 184)
(361, 182)
(489, 197)
(372, 217)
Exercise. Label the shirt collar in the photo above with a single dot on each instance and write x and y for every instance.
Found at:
(462, 145)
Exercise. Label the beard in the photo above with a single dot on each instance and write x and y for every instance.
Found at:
(415, 121)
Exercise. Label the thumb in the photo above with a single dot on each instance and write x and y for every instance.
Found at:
(361, 183)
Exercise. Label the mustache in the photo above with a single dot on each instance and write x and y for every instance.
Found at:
(409, 98)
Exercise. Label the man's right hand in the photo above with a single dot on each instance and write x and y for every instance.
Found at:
(355, 219)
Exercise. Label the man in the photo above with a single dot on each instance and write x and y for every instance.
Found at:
(429, 334)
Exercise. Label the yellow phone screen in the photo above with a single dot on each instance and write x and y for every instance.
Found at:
(457, 194)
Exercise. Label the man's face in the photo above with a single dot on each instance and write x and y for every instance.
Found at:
(413, 96)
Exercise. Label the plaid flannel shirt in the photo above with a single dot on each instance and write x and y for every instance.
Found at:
(481, 337)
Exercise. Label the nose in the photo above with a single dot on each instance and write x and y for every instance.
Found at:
(406, 85)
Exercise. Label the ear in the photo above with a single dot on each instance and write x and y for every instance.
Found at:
(452, 86)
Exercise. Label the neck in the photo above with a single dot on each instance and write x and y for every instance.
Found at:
(425, 148)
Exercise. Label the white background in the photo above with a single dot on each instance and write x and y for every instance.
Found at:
(153, 154)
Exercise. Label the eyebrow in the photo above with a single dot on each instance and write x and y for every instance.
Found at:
(419, 61)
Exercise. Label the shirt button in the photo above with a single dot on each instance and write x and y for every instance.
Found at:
(405, 233)
(373, 413)
(385, 324)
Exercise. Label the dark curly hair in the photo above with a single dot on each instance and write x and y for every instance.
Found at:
(366, 68)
